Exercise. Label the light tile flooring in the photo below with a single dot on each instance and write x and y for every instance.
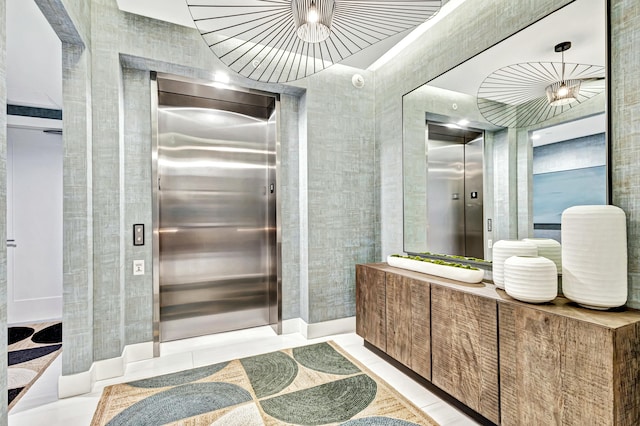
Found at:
(40, 405)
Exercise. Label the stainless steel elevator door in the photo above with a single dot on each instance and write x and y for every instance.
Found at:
(216, 220)
(455, 190)
(474, 198)
(445, 197)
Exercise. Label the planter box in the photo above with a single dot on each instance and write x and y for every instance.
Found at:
(451, 272)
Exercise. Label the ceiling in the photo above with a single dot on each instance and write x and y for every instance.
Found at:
(177, 12)
(35, 79)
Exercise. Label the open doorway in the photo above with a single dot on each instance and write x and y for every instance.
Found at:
(34, 204)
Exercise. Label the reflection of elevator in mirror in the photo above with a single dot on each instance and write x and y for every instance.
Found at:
(454, 195)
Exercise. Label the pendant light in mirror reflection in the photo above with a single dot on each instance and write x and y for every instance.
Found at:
(277, 41)
(529, 93)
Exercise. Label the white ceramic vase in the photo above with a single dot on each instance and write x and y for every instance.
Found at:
(550, 249)
(594, 256)
(532, 279)
(451, 272)
(504, 249)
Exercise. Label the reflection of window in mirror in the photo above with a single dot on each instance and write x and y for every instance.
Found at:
(569, 169)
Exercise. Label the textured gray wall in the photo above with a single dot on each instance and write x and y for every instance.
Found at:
(108, 259)
(137, 205)
(77, 313)
(625, 132)
(340, 174)
(289, 190)
(3, 215)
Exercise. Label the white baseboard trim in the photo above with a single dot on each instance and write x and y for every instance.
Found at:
(319, 329)
(78, 384)
(326, 328)
(294, 325)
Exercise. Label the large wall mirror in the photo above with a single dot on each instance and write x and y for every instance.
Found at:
(497, 147)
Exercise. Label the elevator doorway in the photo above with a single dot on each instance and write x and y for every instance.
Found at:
(455, 190)
(216, 258)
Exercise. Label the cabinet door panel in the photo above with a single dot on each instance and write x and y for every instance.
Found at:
(371, 305)
(530, 361)
(464, 340)
(399, 318)
(553, 369)
(421, 328)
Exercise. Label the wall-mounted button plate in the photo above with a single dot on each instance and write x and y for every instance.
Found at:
(138, 234)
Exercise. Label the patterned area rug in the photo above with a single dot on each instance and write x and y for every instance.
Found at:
(31, 349)
(312, 385)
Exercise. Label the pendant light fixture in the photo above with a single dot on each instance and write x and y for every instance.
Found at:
(277, 41)
(313, 19)
(563, 92)
(529, 93)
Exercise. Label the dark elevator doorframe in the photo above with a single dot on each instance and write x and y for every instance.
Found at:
(455, 190)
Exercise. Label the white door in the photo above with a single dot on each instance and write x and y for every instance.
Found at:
(34, 225)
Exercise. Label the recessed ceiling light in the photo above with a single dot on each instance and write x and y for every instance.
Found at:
(463, 122)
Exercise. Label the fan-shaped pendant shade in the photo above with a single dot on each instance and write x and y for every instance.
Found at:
(313, 23)
(284, 40)
(525, 94)
(563, 92)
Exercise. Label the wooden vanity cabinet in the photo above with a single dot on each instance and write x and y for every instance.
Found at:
(371, 314)
(464, 345)
(565, 365)
(408, 323)
(512, 362)
(399, 322)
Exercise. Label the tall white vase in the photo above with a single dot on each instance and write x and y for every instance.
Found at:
(504, 249)
(532, 279)
(550, 249)
(594, 256)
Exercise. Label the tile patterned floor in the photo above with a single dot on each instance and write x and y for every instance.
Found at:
(40, 405)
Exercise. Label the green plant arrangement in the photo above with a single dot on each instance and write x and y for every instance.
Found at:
(436, 261)
(437, 267)
(453, 256)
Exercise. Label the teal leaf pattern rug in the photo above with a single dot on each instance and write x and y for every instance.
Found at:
(312, 385)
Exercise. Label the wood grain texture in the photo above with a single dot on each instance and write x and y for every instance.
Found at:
(408, 323)
(464, 344)
(371, 305)
(531, 345)
(587, 374)
(559, 363)
(626, 375)
(420, 328)
(558, 370)
(399, 318)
